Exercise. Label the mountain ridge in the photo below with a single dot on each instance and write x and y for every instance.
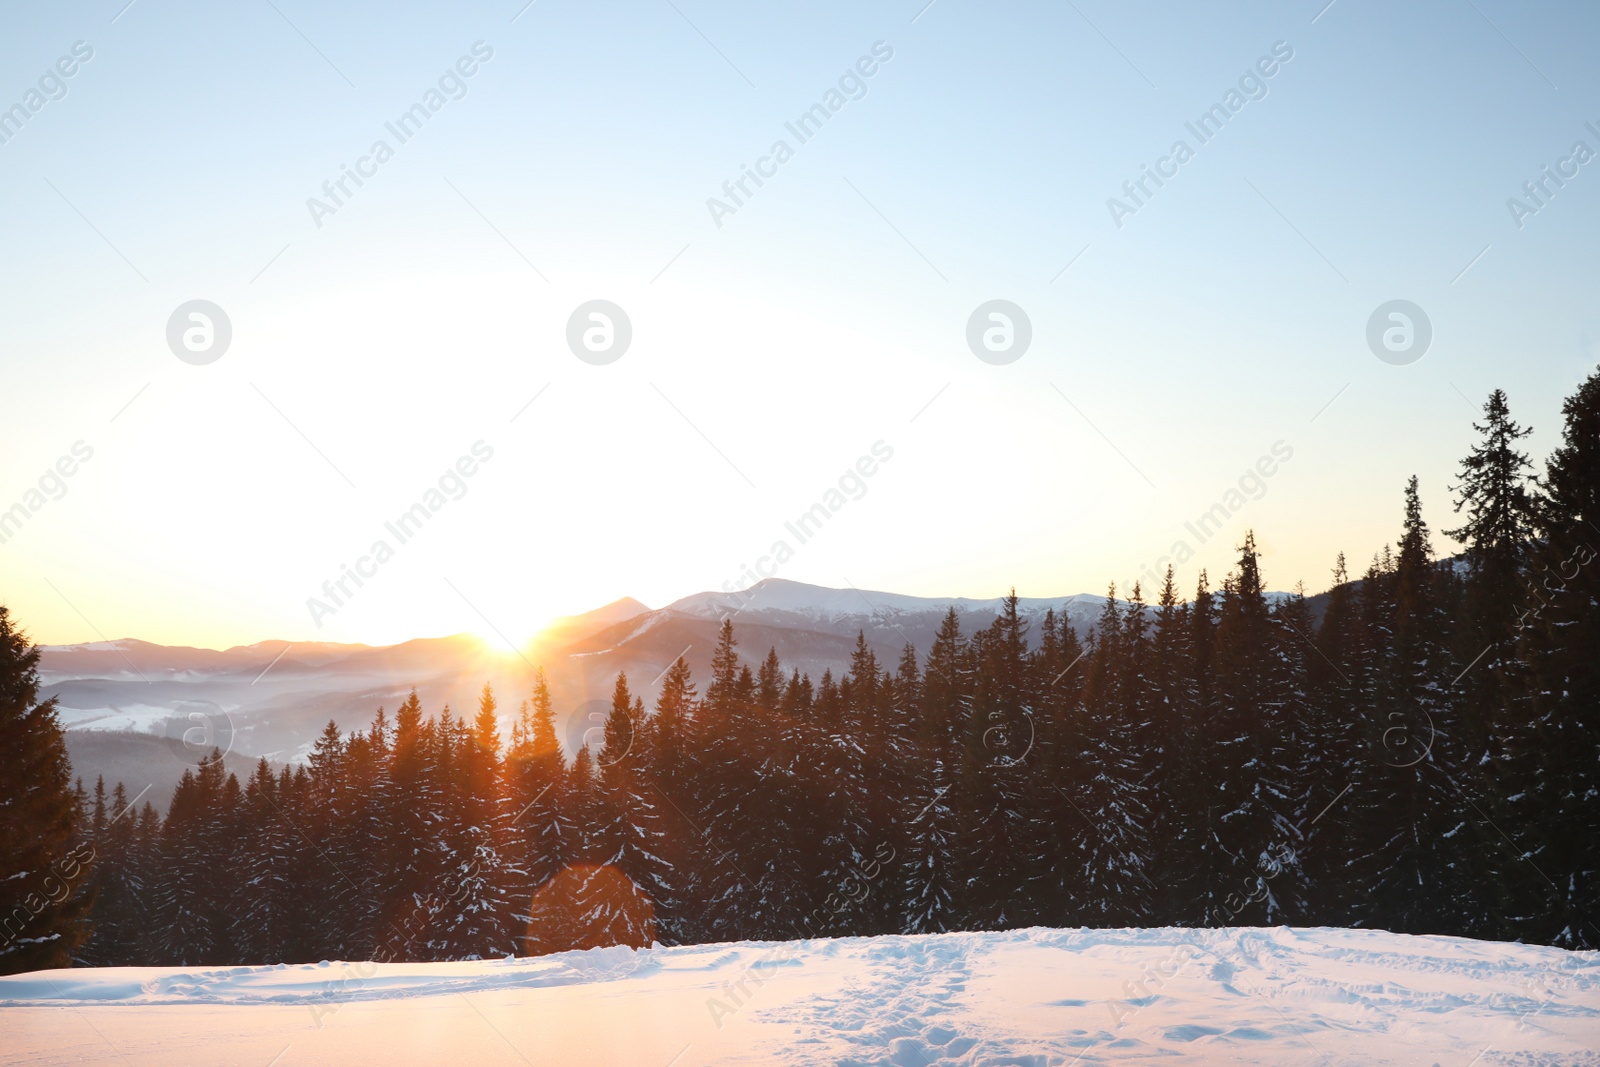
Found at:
(272, 698)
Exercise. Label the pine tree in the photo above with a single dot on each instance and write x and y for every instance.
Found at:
(545, 838)
(1177, 792)
(1552, 753)
(1195, 893)
(119, 914)
(632, 831)
(1295, 765)
(587, 906)
(268, 901)
(1418, 745)
(369, 778)
(1255, 815)
(1498, 533)
(852, 750)
(932, 874)
(1345, 801)
(323, 824)
(193, 893)
(928, 857)
(407, 875)
(590, 903)
(1107, 797)
(475, 920)
(43, 867)
(1057, 774)
(668, 777)
(745, 834)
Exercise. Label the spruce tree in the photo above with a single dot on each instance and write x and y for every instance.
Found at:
(932, 868)
(668, 776)
(857, 811)
(406, 873)
(1552, 751)
(1498, 532)
(1177, 791)
(745, 834)
(269, 899)
(475, 920)
(193, 893)
(1254, 816)
(119, 915)
(323, 823)
(1108, 801)
(1418, 745)
(631, 830)
(1343, 796)
(43, 869)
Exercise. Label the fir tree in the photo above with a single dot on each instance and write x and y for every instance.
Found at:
(267, 901)
(668, 777)
(43, 868)
(1552, 753)
(632, 832)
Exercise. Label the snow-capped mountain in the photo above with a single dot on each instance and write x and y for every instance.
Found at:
(780, 601)
(814, 627)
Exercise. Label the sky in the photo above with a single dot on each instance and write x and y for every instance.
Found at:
(1195, 346)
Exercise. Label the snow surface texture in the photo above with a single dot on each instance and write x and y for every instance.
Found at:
(1026, 997)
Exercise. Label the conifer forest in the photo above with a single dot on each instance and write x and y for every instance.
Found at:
(1416, 750)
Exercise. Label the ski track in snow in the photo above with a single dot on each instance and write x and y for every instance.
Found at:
(1026, 998)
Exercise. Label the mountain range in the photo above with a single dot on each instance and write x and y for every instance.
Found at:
(140, 713)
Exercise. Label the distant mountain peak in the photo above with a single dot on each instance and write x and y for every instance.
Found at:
(820, 603)
(617, 611)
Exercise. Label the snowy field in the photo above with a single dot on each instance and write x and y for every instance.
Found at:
(1243, 996)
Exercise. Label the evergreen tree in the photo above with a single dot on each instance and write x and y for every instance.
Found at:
(119, 915)
(268, 901)
(744, 836)
(1551, 776)
(405, 869)
(632, 831)
(43, 868)
(1257, 806)
(193, 892)
(323, 816)
(668, 776)
(477, 879)
(546, 837)
(1177, 790)
(931, 872)
(1335, 844)
(589, 903)
(1108, 796)
(853, 748)
(1418, 747)
(1498, 533)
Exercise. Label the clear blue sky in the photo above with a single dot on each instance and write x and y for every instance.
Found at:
(371, 351)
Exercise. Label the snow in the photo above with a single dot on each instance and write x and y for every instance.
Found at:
(169, 719)
(831, 605)
(138, 718)
(92, 646)
(1030, 997)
